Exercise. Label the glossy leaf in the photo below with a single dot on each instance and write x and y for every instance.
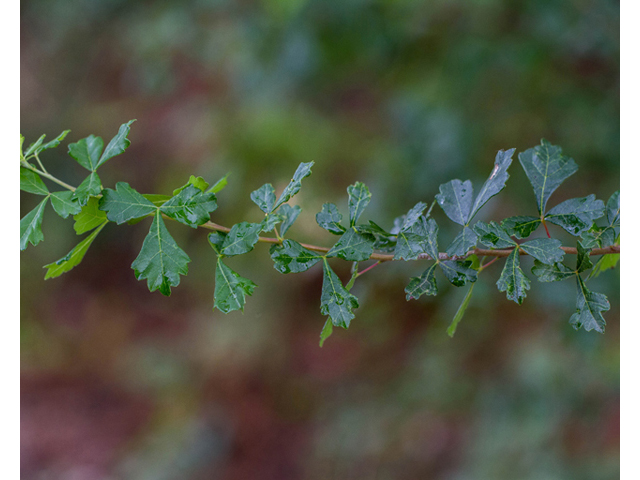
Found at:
(359, 198)
(458, 272)
(583, 262)
(456, 199)
(493, 235)
(513, 280)
(117, 144)
(161, 261)
(465, 241)
(460, 312)
(90, 187)
(496, 181)
(428, 228)
(335, 300)
(87, 151)
(409, 246)
(241, 239)
(326, 332)
(546, 167)
(216, 240)
(424, 284)
(545, 250)
(303, 170)
(589, 308)
(412, 216)
(551, 273)
(31, 226)
(264, 197)
(74, 257)
(329, 219)
(291, 257)
(32, 183)
(231, 289)
(124, 204)
(191, 206)
(64, 204)
(353, 246)
(290, 215)
(270, 221)
(577, 214)
(520, 226)
(89, 217)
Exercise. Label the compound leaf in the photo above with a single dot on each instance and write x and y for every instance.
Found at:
(191, 206)
(124, 203)
(53, 143)
(551, 273)
(577, 214)
(241, 239)
(456, 199)
(353, 246)
(424, 284)
(117, 145)
(412, 216)
(589, 308)
(90, 217)
(409, 246)
(335, 300)
(291, 257)
(329, 218)
(74, 257)
(87, 151)
(231, 289)
(545, 250)
(32, 183)
(513, 280)
(264, 197)
(271, 220)
(64, 204)
(90, 187)
(493, 235)
(465, 241)
(520, 226)
(303, 170)
(458, 272)
(359, 198)
(496, 181)
(31, 226)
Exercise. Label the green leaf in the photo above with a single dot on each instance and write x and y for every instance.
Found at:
(264, 197)
(32, 183)
(191, 206)
(577, 214)
(496, 182)
(583, 262)
(53, 143)
(21, 146)
(89, 217)
(231, 289)
(241, 239)
(412, 216)
(429, 231)
(613, 212)
(64, 204)
(456, 199)
(465, 241)
(90, 187)
(124, 204)
(34, 146)
(551, 273)
(303, 170)
(512, 280)
(520, 226)
(545, 250)
(460, 313)
(424, 284)
(329, 219)
(117, 145)
(326, 332)
(87, 151)
(31, 226)
(335, 301)
(197, 182)
(353, 246)
(74, 257)
(220, 184)
(157, 199)
(291, 257)
(161, 261)
(290, 215)
(493, 235)
(270, 221)
(605, 262)
(589, 306)
(408, 246)
(546, 167)
(216, 240)
(359, 198)
(458, 272)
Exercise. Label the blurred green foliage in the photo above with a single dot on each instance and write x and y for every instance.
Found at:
(402, 95)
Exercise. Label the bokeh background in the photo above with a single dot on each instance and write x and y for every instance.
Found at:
(119, 383)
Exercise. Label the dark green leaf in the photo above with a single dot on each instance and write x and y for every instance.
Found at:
(353, 246)
(220, 184)
(90, 187)
(335, 301)
(412, 216)
(546, 167)
(74, 257)
(583, 262)
(32, 183)
(512, 280)
(191, 206)
(124, 204)
(613, 212)
(87, 151)
(117, 145)
(303, 170)
(496, 181)
(456, 198)
(270, 221)
(290, 214)
(429, 230)
(89, 217)
(458, 272)
(373, 228)
(53, 143)
(64, 204)
(551, 273)
(329, 219)
(409, 246)
(231, 289)
(32, 148)
(291, 257)
(216, 240)
(546, 250)
(520, 226)
(326, 332)
(465, 241)
(161, 261)
(589, 306)
(493, 235)
(241, 239)
(197, 182)
(31, 226)
(424, 284)
(264, 197)
(577, 214)
(460, 313)
(359, 198)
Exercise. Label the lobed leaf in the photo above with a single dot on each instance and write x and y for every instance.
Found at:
(117, 144)
(496, 181)
(124, 203)
(424, 284)
(458, 272)
(74, 257)
(52, 144)
(551, 273)
(545, 250)
(264, 197)
(456, 199)
(329, 219)
(583, 262)
(87, 151)
(412, 216)
(513, 280)
(577, 214)
(271, 220)
(291, 257)
(335, 300)
(90, 187)
(191, 206)
(31, 226)
(353, 246)
(290, 215)
(64, 204)
(241, 239)
(303, 170)
(520, 226)
(589, 308)
(90, 217)
(493, 235)
(231, 289)
(359, 198)
(465, 241)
